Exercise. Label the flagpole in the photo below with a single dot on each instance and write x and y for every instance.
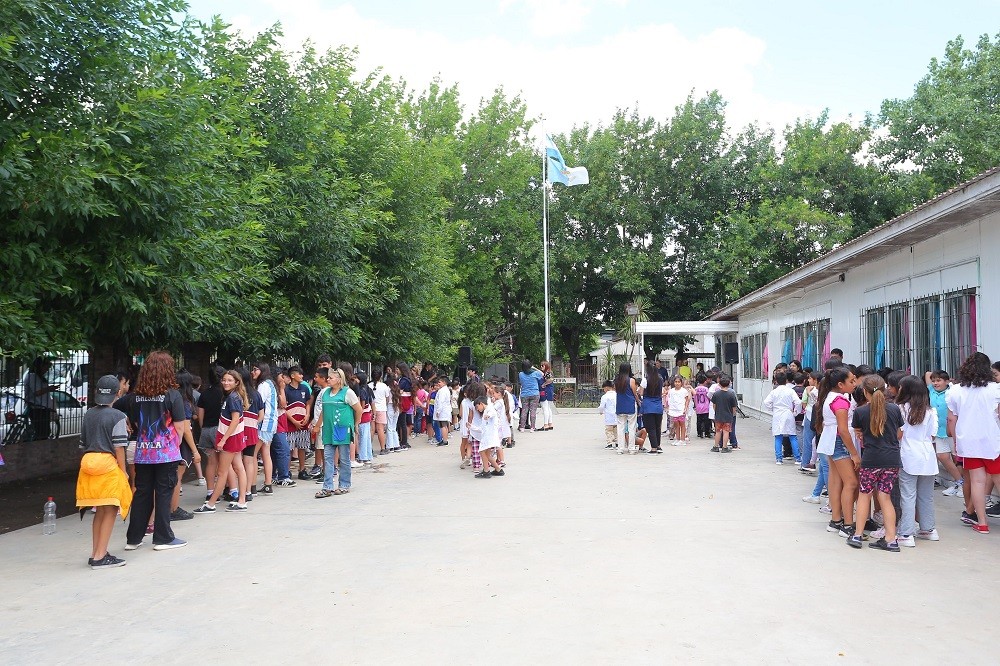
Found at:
(545, 249)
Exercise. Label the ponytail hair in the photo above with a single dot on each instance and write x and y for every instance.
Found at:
(874, 387)
(831, 378)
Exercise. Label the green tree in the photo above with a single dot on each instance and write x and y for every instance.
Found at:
(949, 129)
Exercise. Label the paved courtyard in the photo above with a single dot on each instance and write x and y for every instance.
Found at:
(576, 556)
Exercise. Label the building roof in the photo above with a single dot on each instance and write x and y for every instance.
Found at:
(960, 205)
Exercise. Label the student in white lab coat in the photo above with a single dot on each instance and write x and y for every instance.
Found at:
(783, 404)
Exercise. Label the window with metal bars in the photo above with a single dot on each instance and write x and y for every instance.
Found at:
(753, 347)
(807, 342)
(929, 333)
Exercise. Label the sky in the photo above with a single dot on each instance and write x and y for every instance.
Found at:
(578, 61)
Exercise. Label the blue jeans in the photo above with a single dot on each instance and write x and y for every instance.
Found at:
(330, 469)
(807, 442)
(823, 465)
(418, 420)
(437, 430)
(778, 449)
(280, 454)
(365, 442)
(732, 434)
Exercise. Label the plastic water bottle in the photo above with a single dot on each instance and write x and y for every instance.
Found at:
(49, 517)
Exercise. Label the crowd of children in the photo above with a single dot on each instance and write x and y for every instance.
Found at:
(883, 439)
(248, 425)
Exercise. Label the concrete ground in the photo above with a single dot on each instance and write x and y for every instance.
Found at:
(576, 556)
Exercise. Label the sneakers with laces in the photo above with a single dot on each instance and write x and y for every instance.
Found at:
(969, 518)
(906, 541)
(928, 535)
(847, 531)
(825, 509)
(835, 526)
(993, 511)
(854, 541)
(205, 508)
(954, 490)
(109, 561)
(181, 514)
(811, 499)
(882, 544)
(877, 534)
(285, 483)
(236, 506)
(176, 543)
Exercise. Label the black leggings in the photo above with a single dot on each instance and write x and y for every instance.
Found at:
(401, 430)
(653, 424)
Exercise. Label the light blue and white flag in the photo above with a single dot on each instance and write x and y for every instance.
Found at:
(559, 172)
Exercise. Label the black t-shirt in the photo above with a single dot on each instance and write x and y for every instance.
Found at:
(211, 402)
(879, 452)
(725, 405)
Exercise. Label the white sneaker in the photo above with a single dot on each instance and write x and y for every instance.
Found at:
(878, 534)
(928, 536)
(879, 520)
(811, 499)
(954, 490)
(674, 442)
(201, 481)
(906, 541)
(355, 464)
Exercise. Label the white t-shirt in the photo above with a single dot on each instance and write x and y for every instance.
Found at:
(977, 434)
(382, 396)
(676, 397)
(916, 450)
(711, 405)
(607, 407)
(503, 423)
(442, 404)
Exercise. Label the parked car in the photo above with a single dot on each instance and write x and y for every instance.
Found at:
(67, 418)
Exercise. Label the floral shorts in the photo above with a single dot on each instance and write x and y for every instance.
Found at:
(877, 478)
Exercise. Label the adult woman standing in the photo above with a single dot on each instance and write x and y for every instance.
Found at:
(652, 406)
(627, 399)
(156, 411)
(531, 380)
(546, 395)
(336, 428)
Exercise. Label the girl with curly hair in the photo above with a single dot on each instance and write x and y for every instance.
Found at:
(157, 415)
(972, 421)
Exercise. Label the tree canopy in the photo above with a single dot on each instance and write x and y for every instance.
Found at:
(164, 180)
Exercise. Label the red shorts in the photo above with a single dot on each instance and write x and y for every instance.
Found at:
(992, 466)
(235, 443)
(723, 426)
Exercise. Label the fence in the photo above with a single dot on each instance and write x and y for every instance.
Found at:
(43, 398)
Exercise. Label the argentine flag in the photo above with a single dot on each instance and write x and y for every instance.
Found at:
(559, 172)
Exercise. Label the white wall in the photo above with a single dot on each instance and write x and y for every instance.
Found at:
(964, 257)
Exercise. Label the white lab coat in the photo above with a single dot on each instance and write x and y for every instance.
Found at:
(783, 404)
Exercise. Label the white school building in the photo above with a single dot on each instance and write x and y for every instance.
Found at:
(912, 294)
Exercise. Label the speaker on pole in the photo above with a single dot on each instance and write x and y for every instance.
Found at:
(731, 352)
(465, 356)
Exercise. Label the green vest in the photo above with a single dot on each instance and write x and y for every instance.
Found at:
(338, 417)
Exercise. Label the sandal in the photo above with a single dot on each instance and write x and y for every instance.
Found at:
(323, 494)
(341, 491)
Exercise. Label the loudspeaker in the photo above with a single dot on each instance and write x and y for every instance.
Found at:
(731, 352)
(465, 356)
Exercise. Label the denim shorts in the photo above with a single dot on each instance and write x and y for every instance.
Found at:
(839, 450)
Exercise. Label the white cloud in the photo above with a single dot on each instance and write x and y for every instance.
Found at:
(552, 17)
(652, 68)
